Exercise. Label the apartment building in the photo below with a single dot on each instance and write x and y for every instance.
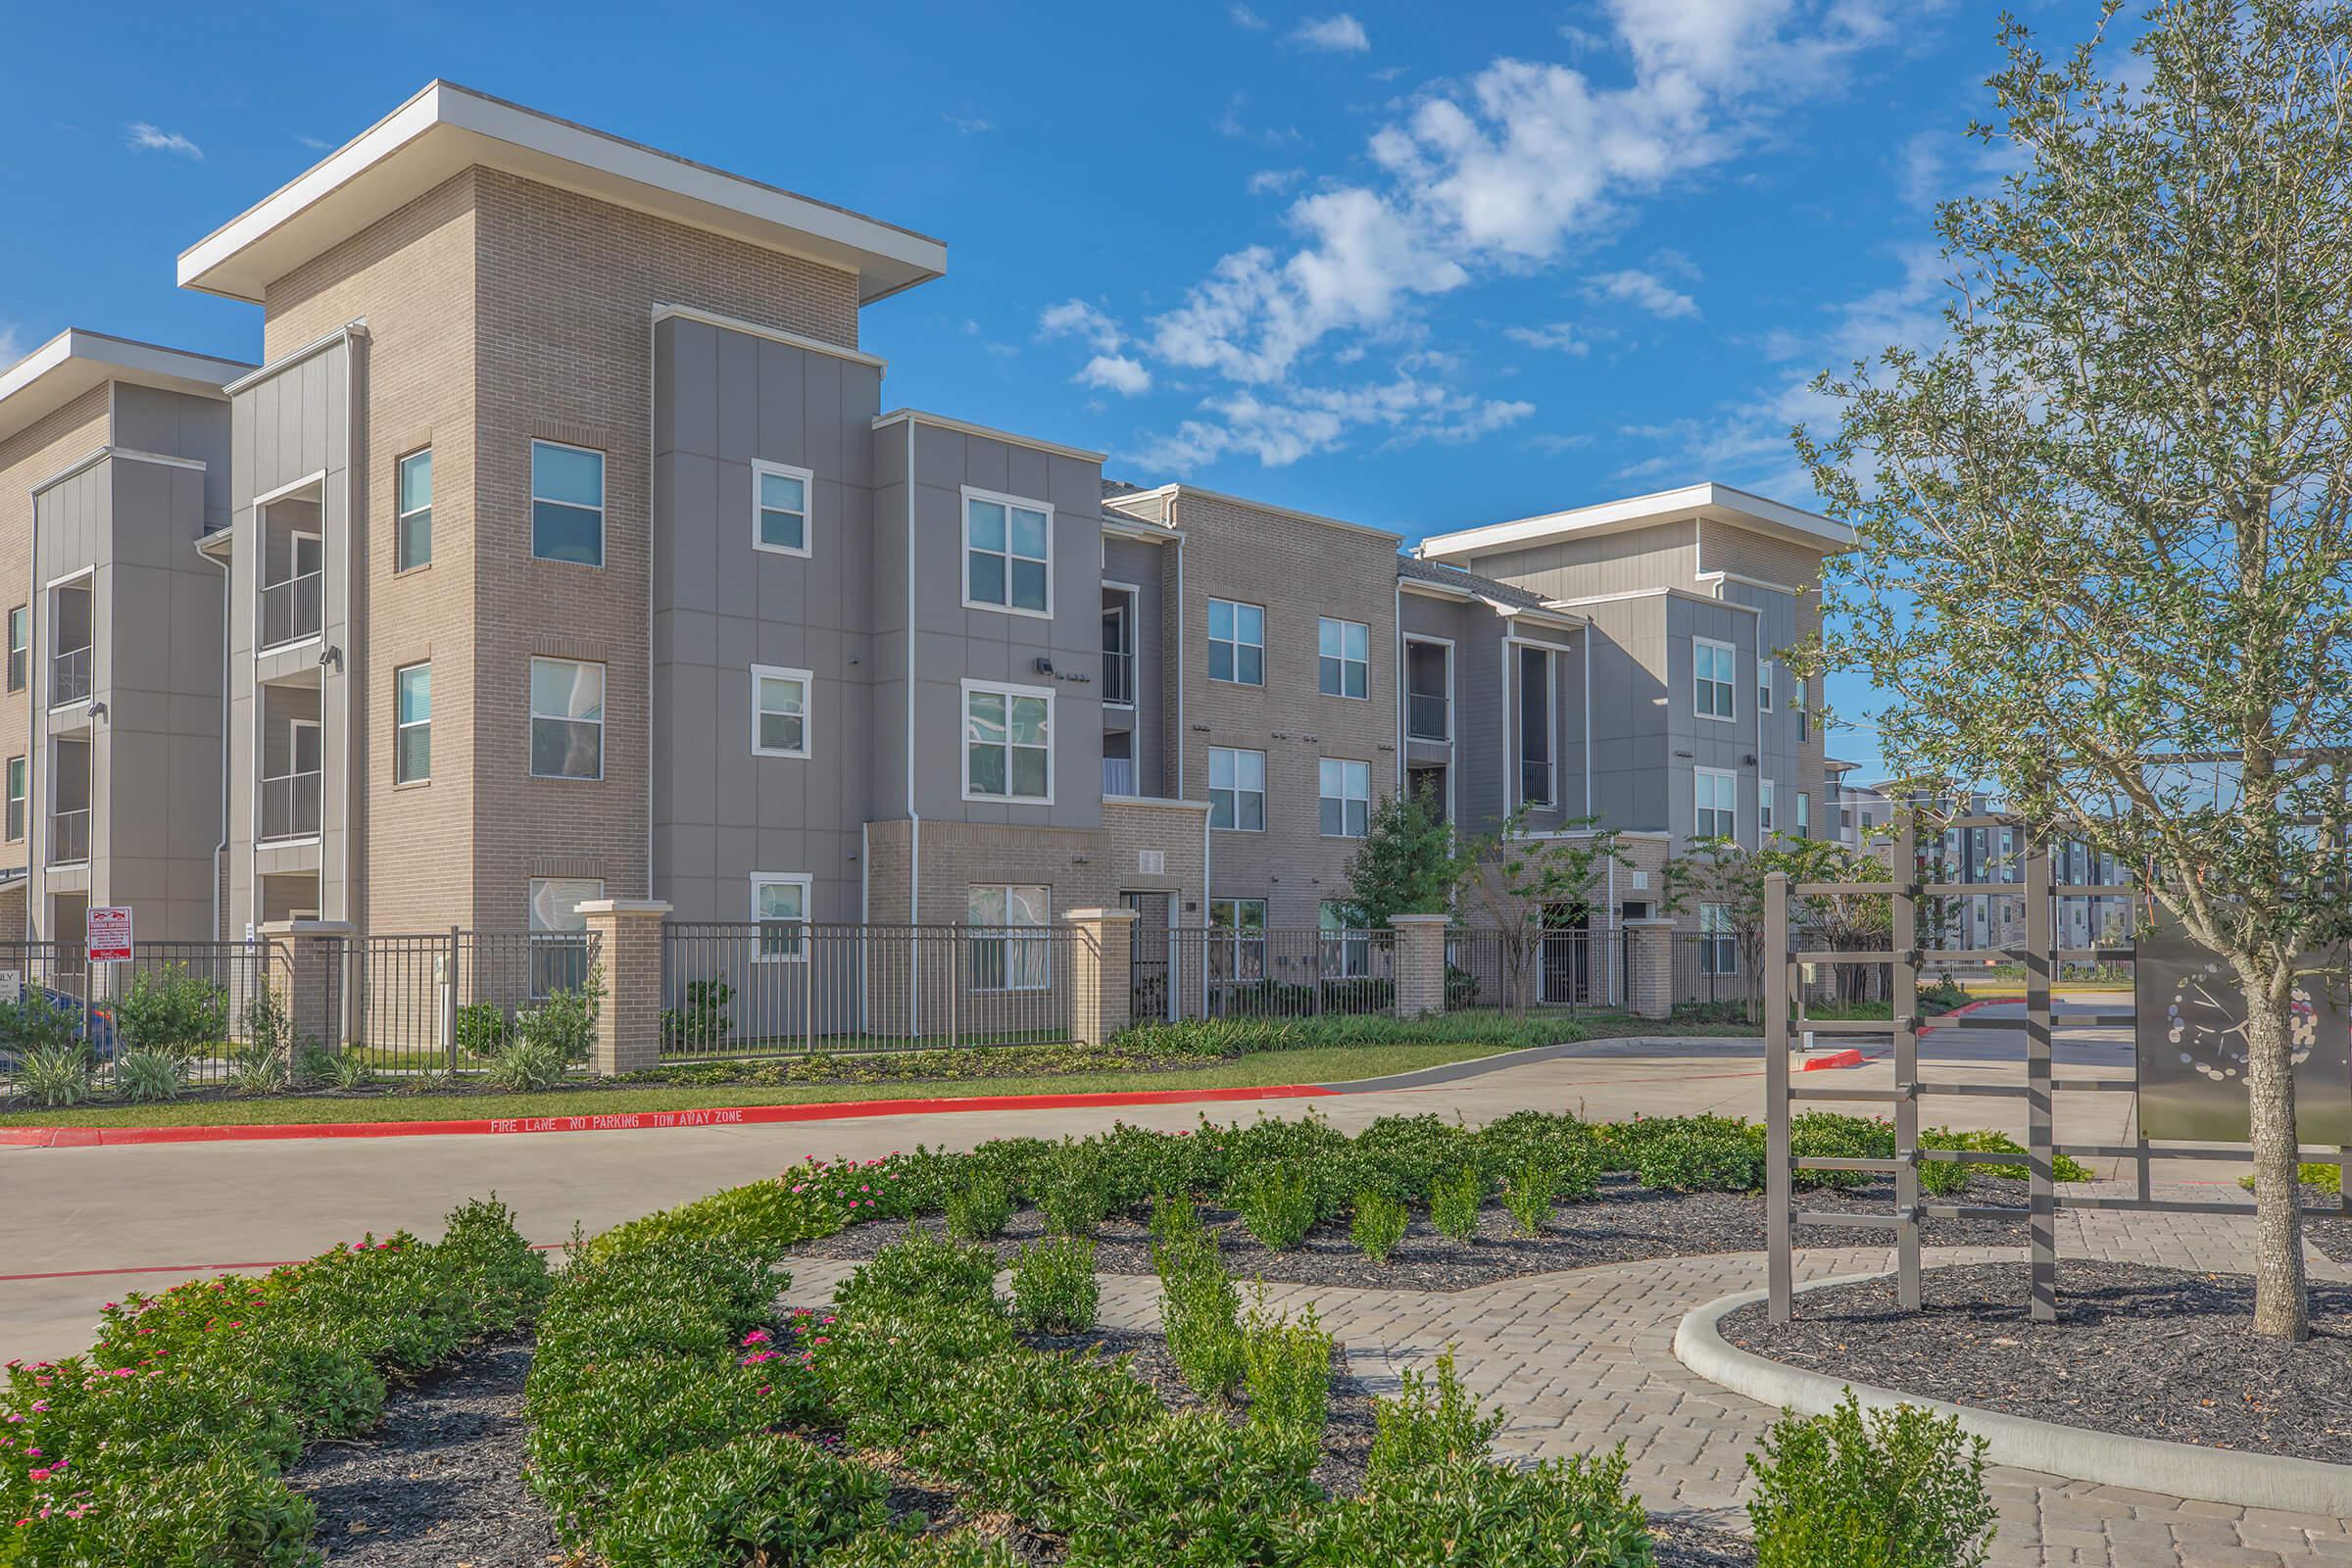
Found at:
(565, 544)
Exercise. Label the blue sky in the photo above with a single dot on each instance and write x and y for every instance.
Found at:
(1420, 270)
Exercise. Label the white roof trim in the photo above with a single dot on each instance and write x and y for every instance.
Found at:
(446, 128)
(1716, 501)
(773, 335)
(966, 427)
(77, 359)
(1180, 490)
(1716, 580)
(1126, 527)
(1668, 592)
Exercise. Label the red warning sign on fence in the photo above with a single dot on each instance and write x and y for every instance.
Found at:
(110, 934)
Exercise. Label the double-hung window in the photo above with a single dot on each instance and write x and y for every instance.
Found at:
(1237, 940)
(567, 503)
(1008, 554)
(1010, 950)
(1346, 789)
(780, 904)
(779, 712)
(1346, 952)
(413, 530)
(1716, 666)
(413, 724)
(1718, 944)
(1008, 743)
(1535, 727)
(1764, 812)
(567, 720)
(1237, 642)
(1343, 661)
(1804, 815)
(1764, 673)
(559, 932)
(1718, 797)
(15, 800)
(19, 646)
(780, 508)
(1237, 789)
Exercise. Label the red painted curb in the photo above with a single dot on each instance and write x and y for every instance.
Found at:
(630, 1120)
(1929, 1026)
(1850, 1056)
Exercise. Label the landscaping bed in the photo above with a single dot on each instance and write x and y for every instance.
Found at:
(2148, 1353)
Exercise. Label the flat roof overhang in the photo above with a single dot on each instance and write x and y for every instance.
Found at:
(78, 359)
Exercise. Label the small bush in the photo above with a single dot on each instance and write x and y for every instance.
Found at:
(1425, 1426)
(482, 1030)
(147, 1077)
(1287, 1367)
(1699, 1154)
(766, 1496)
(525, 1066)
(55, 1076)
(904, 1548)
(1570, 1148)
(170, 1011)
(563, 1025)
(314, 1063)
(347, 1071)
(1175, 1222)
(257, 1071)
(1072, 1188)
(1528, 1191)
(268, 1021)
(923, 1267)
(702, 1023)
(34, 1023)
(1378, 1226)
(1571, 1511)
(979, 1207)
(1896, 1488)
(1454, 1202)
(1054, 1289)
(1277, 1206)
(1199, 1311)
(1193, 1491)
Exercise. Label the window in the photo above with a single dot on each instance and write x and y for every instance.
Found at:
(1763, 811)
(1804, 815)
(1343, 665)
(1535, 727)
(1118, 648)
(1237, 950)
(1118, 762)
(413, 724)
(567, 720)
(1764, 670)
(567, 503)
(780, 903)
(1718, 795)
(559, 944)
(1236, 790)
(1010, 950)
(1008, 743)
(1347, 954)
(780, 508)
(779, 712)
(1008, 554)
(19, 646)
(1715, 664)
(1718, 946)
(1346, 798)
(1237, 642)
(1805, 715)
(15, 800)
(412, 533)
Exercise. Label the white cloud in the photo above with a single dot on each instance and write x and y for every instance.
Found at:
(1247, 19)
(1644, 291)
(11, 343)
(1339, 35)
(969, 127)
(315, 144)
(1274, 182)
(1279, 428)
(1558, 337)
(140, 137)
(1077, 318)
(1115, 373)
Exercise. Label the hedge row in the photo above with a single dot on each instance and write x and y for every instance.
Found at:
(164, 1444)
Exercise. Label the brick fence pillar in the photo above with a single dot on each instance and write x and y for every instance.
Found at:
(1101, 973)
(304, 958)
(1650, 967)
(628, 951)
(1420, 964)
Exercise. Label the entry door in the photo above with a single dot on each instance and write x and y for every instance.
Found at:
(1149, 996)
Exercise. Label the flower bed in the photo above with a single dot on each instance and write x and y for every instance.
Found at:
(166, 1442)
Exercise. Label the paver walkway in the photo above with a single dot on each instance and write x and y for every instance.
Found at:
(1584, 1359)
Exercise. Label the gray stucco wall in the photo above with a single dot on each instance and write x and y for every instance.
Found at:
(1142, 565)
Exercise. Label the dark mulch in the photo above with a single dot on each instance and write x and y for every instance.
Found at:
(440, 1482)
(1678, 1544)
(2151, 1352)
(2332, 1236)
(1626, 1224)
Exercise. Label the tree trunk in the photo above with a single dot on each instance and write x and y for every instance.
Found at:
(2281, 1309)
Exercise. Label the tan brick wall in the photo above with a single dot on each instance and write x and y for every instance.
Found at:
(27, 458)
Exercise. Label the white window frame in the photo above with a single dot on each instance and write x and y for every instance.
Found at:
(963, 744)
(1766, 668)
(1718, 942)
(808, 685)
(796, 949)
(1008, 934)
(1244, 953)
(534, 716)
(1236, 791)
(20, 674)
(1345, 950)
(1804, 815)
(1345, 800)
(18, 783)
(1764, 811)
(1700, 810)
(1129, 610)
(400, 518)
(1342, 657)
(1211, 640)
(1549, 800)
(963, 558)
(603, 496)
(761, 467)
(400, 724)
(556, 939)
(1730, 683)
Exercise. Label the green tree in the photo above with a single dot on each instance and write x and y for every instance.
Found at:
(1408, 863)
(2105, 526)
(1526, 883)
(1727, 875)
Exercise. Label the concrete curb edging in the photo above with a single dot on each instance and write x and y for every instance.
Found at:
(2105, 1458)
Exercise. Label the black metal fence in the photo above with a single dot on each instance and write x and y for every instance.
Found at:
(1568, 970)
(194, 1001)
(1278, 972)
(445, 1002)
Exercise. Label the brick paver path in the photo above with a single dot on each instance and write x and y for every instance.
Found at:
(1584, 1359)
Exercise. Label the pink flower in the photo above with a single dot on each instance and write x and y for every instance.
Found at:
(755, 1337)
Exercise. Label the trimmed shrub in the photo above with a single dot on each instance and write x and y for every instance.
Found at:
(147, 1077)
(1426, 1426)
(1698, 1155)
(979, 1207)
(1072, 1188)
(1454, 1202)
(1277, 1206)
(1528, 1192)
(920, 1267)
(1569, 1146)
(904, 1548)
(55, 1076)
(1053, 1290)
(1895, 1489)
(170, 1011)
(1194, 1492)
(1562, 1513)
(1404, 1157)
(765, 1497)
(1287, 1367)
(1378, 1226)
(1199, 1311)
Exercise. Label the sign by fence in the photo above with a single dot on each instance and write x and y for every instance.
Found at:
(2191, 1034)
(11, 985)
(110, 934)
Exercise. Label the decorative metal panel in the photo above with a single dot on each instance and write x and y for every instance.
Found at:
(2193, 1045)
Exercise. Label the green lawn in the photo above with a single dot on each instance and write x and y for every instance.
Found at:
(1319, 1064)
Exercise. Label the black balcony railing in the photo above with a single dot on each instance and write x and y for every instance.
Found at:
(1426, 716)
(290, 806)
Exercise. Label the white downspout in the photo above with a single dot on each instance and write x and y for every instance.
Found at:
(914, 818)
(221, 850)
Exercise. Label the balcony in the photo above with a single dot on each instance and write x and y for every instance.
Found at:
(1118, 776)
(1428, 688)
(1427, 716)
(293, 609)
(69, 676)
(70, 837)
(290, 806)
